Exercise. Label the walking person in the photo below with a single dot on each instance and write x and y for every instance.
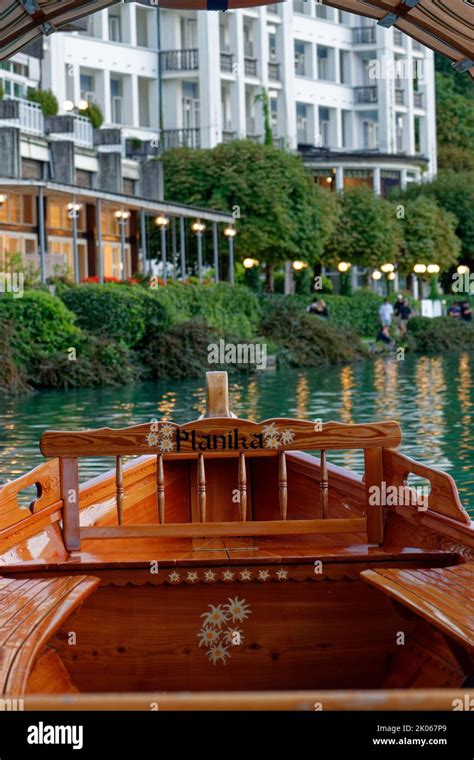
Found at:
(405, 314)
(386, 313)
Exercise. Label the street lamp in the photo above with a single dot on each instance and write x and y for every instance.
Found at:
(432, 269)
(250, 263)
(376, 275)
(122, 218)
(73, 210)
(68, 105)
(463, 269)
(344, 266)
(162, 222)
(299, 265)
(198, 228)
(387, 268)
(230, 232)
(419, 268)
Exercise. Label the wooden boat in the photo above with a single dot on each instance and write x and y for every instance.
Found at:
(221, 567)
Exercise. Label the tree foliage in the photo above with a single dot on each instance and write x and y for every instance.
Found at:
(429, 235)
(367, 232)
(280, 212)
(454, 117)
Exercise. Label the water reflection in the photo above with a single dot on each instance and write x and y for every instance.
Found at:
(431, 398)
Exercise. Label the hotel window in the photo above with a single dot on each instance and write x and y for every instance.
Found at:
(302, 124)
(57, 215)
(323, 12)
(325, 63)
(63, 251)
(272, 48)
(13, 246)
(87, 87)
(324, 126)
(113, 260)
(300, 58)
(115, 26)
(191, 106)
(116, 101)
(18, 209)
(370, 135)
(274, 114)
(417, 130)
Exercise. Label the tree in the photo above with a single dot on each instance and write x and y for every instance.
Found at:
(454, 116)
(367, 232)
(280, 212)
(454, 192)
(429, 235)
(46, 99)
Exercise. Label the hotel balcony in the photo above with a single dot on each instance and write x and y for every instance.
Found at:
(227, 62)
(181, 138)
(364, 35)
(274, 71)
(23, 114)
(365, 94)
(186, 59)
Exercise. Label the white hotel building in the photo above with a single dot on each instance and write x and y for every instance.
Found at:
(208, 68)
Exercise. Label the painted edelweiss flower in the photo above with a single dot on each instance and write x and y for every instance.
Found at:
(192, 577)
(245, 575)
(174, 577)
(152, 439)
(272, 442)
(166, 444)
(216, 617)
(282, 575)
(228, 575)
(233, 637)
(207, 636)
(287, 436)
(270, 430)
(218, 654)
(209, 576)
(167, 430)
(263, 575)
(238, 609)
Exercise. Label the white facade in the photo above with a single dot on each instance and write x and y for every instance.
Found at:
(341, 89)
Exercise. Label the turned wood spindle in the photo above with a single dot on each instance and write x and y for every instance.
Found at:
(160, 488)
(283, 485)
(119, 488)
(324, 485)
(243, 487)
(201, 488)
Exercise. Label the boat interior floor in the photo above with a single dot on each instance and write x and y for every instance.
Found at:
(349, 548)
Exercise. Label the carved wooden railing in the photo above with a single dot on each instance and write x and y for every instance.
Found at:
(213, 438)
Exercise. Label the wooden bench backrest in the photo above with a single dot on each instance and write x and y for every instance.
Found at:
(220, 437)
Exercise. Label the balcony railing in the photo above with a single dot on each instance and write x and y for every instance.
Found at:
(186, 59)
(363, 35)
(274, 71)
(397, 38)
(250, 67)
(28, 116)
(228, 135)
(399, 97)
(181, 138)
(365, 94)
(227, 62)
(418, 99)
(83, 133)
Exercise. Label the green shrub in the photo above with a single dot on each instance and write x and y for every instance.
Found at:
(111, 310)
(46, 99)
(94, 113)
(41, 323)
(99, 362)
(308, 340)
(439, 335)
(181, 352)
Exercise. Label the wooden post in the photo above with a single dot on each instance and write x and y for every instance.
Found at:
(243, 487)
(217, 395)
(324, 485)
(119, 488)
(160, 488)
(282, 485)
(69, 477)
(201, 488)
(374, 477)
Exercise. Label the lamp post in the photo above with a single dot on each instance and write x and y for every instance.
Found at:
(230, 232)
(388, 270)
(122, 218)
(162, 222)
(198, 228)
(344, 267)
(419, 269)
(73, 210)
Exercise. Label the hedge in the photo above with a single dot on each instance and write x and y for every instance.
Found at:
(440, 335)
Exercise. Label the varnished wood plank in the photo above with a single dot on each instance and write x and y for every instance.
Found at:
(254, 528)
(242, 488)
(201, 488)
(373, 478)
(217, 395)
(443, 498)
(70, 495)
(298, 434)
(283, 485)
(340, 700)
(427, 602)
(119, 493)
(324, 486)
(160, 488)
